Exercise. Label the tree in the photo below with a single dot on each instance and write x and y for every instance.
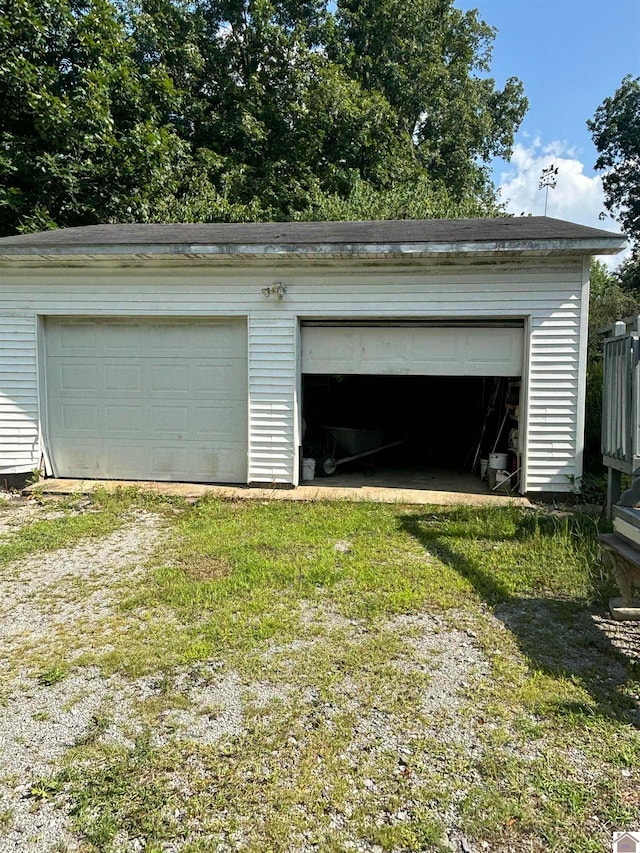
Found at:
(628, 276)
(615, 128)
(425, 57)
(81, 136)
(415, 199)
(219, 110)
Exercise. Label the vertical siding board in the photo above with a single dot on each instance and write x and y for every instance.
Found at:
(272, 415)
(19, 431)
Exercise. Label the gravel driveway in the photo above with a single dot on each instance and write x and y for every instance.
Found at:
(42, 718)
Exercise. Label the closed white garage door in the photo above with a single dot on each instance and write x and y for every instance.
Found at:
(147, 399)
(455, 350)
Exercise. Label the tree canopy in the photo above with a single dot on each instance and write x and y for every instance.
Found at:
(231, 110)
(615, 128)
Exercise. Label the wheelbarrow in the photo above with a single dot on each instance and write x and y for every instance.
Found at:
(347, 445)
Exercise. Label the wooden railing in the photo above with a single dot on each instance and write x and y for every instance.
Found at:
(621, 404)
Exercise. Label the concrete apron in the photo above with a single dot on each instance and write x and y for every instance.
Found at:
(310, 492)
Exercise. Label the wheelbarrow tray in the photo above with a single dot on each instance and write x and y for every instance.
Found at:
(347, 441)
(361, 442)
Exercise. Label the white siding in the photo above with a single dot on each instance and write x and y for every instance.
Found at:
(19, 442)
(546, 293)
(553, 399)
(272, 399)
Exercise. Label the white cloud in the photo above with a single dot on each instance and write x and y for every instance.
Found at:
(576, 197)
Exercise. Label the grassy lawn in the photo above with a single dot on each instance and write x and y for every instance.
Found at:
(338, 676)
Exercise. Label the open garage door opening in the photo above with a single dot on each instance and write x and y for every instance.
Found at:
(411, 406)
(412, 429)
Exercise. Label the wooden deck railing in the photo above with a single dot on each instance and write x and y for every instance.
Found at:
(621, 404)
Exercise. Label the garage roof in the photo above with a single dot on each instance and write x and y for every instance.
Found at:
(526, 234)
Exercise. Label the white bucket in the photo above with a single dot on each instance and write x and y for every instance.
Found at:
(497, 460)
(308, 469)
(484, 464)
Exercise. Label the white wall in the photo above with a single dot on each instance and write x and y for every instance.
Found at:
(19, 435)
(547, 293)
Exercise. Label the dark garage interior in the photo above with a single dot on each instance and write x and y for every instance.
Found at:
(412, 423)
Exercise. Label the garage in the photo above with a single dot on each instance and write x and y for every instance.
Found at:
(439, 395)
(233, 352)
(147, 399)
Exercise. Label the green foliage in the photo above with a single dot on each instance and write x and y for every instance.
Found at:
(613, 295)
(615, 128)
(628, 276)
(168, 110)
(424, 66)
(417, 199)
(82, 135)
(52, 675)
(611, 299)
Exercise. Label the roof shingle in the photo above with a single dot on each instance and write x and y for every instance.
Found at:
(507, 232)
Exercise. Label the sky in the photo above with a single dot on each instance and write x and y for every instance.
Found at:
(570, 56)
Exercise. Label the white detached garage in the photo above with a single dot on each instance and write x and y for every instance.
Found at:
(224, 353)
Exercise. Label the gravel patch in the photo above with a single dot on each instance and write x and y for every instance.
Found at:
(39, 722)
(216, 707)
(19, 511)
(45, 591)
(37, 727)
(450, 654)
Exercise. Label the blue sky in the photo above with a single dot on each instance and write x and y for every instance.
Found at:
(570, 55)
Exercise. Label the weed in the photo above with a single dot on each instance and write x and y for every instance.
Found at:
(33, 478)
(45, 788)
(52, 676)
(42, 716)
(98, 725)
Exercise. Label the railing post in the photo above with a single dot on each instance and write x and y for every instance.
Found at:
(614, 489)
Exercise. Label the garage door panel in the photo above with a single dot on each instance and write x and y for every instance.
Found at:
(211, 379)
(122, 377)
(216, 421)
(76, 418)
(168, 378)
(122, 418)
(117, 410)
(82, 341)
(169, 420)
(76, 376)
(425, 351)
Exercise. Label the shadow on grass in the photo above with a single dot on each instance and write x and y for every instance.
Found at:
(561, 634)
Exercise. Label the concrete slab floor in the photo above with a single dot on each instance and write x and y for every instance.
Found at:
(443, 488)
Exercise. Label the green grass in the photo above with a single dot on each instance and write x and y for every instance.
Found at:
(303, 599)
(108, 512)
(242, 571)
